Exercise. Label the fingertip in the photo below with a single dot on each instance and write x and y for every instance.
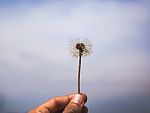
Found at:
(82, 94)
(78, 99)
(84, 97)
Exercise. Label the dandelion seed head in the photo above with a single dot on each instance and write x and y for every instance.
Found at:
(78, 46)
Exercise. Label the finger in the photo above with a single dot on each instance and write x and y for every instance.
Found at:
(75, 104)
(85, 109)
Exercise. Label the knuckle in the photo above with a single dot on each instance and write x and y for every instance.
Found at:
(72, 108)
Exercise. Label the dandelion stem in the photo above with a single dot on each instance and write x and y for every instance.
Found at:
(79, 71)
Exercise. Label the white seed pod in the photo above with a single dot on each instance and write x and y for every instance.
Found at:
(78, 46)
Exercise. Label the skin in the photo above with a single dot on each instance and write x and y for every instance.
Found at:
(64, 104)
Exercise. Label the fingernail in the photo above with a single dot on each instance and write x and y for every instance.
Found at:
(78, 99)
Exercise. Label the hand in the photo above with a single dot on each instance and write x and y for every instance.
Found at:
(64, 104)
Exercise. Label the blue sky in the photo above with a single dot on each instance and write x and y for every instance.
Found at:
(35, 63)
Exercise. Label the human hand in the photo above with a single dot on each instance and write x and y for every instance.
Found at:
(63, 104)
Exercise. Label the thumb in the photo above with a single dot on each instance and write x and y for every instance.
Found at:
(75, 104)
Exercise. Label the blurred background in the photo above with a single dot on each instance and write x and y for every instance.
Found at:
(35, 63)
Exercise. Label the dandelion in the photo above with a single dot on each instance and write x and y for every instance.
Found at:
(80, 48)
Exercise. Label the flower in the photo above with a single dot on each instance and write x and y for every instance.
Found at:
(80, 47)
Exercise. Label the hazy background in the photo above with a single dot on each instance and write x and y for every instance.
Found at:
(35, 63)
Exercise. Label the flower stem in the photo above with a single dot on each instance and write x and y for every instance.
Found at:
(79, 71)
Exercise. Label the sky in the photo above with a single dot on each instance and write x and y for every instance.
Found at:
(35, 63)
